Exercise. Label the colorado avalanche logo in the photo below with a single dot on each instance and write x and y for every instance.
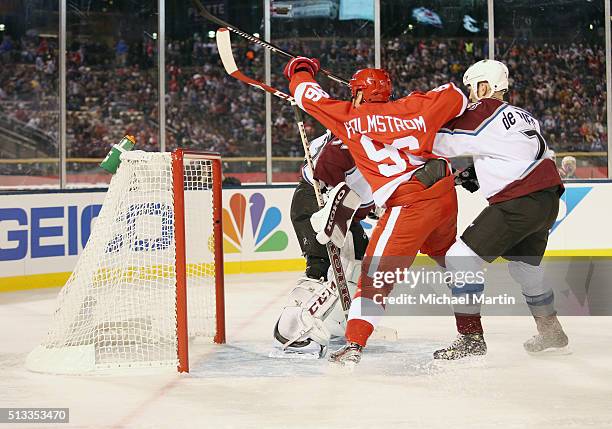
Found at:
(262, 236)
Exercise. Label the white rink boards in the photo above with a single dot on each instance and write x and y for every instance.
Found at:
(42, 235)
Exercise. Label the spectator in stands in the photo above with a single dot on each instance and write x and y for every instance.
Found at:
(6, 48)
(121, 53)
(568, 168)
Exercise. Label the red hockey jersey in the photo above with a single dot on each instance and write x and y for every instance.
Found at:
(388, 141)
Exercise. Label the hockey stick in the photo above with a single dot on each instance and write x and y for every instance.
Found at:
(212, 18)
(332, 250)
(224, 45)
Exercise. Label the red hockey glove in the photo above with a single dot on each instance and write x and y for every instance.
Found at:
(310, 65)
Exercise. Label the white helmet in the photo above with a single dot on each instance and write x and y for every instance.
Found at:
(493, 72)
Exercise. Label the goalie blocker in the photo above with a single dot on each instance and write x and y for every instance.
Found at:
(332, 164)
(333, 221)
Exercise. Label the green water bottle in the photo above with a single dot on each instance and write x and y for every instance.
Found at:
(112, 161)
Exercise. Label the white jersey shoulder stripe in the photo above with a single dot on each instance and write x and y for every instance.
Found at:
(523, 110)
(299, 93)
(479, 129)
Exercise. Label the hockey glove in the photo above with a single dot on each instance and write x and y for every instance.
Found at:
(433, 171)
(310, 65)
(332, 222)
(467, 179)
(376, 213)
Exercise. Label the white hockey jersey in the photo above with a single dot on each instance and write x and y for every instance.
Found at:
(510, 155)
(333, 164)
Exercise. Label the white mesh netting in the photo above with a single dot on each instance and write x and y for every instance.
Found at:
(118, 308)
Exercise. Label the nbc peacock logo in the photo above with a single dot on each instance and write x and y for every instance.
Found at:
(263, 234)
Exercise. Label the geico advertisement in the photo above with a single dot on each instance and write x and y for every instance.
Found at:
(45, 233)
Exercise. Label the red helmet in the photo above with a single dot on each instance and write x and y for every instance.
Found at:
(375, 84)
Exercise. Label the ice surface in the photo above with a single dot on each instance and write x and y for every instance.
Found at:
(396, 385)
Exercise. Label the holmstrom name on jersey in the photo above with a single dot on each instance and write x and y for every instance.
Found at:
(384, 124)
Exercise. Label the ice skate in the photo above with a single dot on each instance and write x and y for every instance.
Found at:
(350, 354)
(465, 345)
(550, 338)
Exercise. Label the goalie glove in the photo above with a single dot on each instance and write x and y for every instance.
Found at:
(467, 179)
(333, 221)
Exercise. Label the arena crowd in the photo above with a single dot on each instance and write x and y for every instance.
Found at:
(112, 89)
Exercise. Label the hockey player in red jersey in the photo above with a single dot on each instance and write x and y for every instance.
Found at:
(390, 142)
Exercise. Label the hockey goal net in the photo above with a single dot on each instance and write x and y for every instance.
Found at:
(151, 275)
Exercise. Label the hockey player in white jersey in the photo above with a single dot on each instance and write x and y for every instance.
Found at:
(516, 174)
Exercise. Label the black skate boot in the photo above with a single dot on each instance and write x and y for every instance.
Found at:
(550, 339)
(465, 345)
(349, 354)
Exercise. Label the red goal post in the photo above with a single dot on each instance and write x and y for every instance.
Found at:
(179, 158)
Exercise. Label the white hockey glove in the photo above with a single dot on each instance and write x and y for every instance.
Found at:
(333, 221)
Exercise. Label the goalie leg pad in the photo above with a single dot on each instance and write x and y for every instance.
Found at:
(297, 328)
(303, 320)
(332, 222)
(313, 312)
